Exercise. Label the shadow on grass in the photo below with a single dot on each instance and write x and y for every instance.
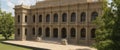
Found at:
(12, 38)
(32, 48)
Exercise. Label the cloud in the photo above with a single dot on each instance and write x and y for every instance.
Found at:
(10, 4)
(8, 7)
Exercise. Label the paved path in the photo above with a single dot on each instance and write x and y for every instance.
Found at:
(49, 45)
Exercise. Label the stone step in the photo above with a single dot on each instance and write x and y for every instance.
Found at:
(54, 41)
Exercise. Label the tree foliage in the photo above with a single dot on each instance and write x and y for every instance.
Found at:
(108, 31)
(6, 24)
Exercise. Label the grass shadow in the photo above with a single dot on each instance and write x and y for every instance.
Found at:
(31, 48)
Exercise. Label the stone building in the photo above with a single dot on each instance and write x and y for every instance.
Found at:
(58, 19)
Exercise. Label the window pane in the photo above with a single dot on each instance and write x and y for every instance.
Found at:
(55, 18)
(73, 17)
(34, 18)
(47, 31)
(73, 33)
(64, 17)
(25, 31)
(18, 18)
(25, 18)
(83, 17)
(55, 33)
(64, 33)
(93, 33)
(33, 31)
(40, 18)
(48, 18)
(93, 16)
(18, 31)
(83, 33)
(39, 32)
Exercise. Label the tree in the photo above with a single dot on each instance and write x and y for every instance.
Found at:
(116, 28)
(108, 31)
(6, 24)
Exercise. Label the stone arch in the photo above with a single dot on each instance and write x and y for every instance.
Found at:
(94, 15)
(73, 32)
(25, 31)
(83, 33)
(33, 18)
(93, 33)
(18, 18)
(55, 32)
(83, 17)
(40, 18)
(63, 33)
(33, 31)
(39, 31)
(55, 18)
(73, 17)
(26, 18)
(48, 18)
(64, 17)
(47, 32)
(18, 31)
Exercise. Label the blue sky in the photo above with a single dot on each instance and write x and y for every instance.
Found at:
(8, 5)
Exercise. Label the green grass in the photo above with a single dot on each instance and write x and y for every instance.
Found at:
(10, 47)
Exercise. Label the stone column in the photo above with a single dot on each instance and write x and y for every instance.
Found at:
(36, 31)
(43, 31)
(87, 35)
(43, 18)
(59, 24)
(59, 32)
(23, 38)
(68, 18)
(51, 32)
(77, 34)
(68, 33)
(51, 18)
(22, 29)
(16, 33)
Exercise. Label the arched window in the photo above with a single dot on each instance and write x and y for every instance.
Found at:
(18, 18)
(33, 18)
(83, 33)
(18, 31)
(39, 32)
(93, 16)
(55, 32)
(26, 31)
(55, 18)
(25, 18)
(73, 32)
(40, 18)
(33, 31)
(83, 17)
(93, 33)
(64, 17)
(73, 17)
(47, 32)
(64, 33)
(48, 18)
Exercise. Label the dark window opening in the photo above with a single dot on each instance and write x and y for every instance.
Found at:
(55, 33)
(64, 33)
(64, 17)
(73, 32)
(73, 17)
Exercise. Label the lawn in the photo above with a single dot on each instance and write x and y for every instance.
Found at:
(10, 47)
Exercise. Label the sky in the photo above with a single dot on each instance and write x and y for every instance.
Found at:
(8, 5)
